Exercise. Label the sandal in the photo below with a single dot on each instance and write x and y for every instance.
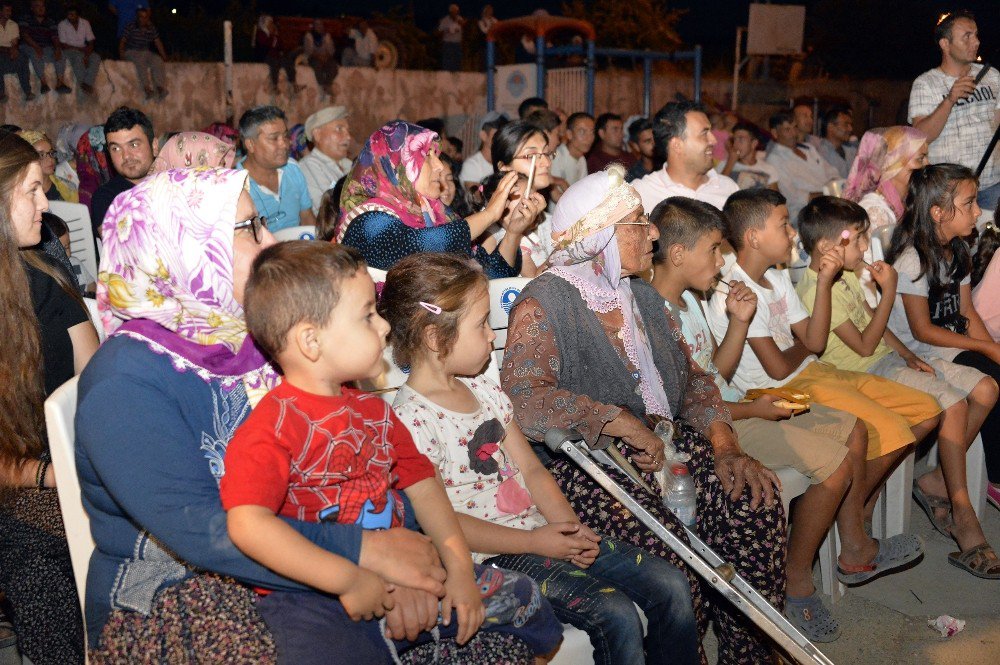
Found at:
(892, 554)
(980, 560)
(812, 618)
(930, 503)
(993, 495)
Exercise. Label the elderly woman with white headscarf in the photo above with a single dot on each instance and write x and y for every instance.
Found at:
(591, 349)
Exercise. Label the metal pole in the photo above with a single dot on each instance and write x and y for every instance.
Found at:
(490, 76)
(736, 69)
(540, 65)
(718, 573)
(591, 65)
(227, 54)
(697, 73)
(647, 86)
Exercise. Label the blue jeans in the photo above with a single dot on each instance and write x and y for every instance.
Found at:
(585, 599)
(451, 56)
(85, 74)
(989, 196)
(314, 629)
(38, 63)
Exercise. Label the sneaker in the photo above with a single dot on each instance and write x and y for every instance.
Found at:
(44, 89)
(63, 89)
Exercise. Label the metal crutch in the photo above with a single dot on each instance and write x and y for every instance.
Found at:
(709, 565)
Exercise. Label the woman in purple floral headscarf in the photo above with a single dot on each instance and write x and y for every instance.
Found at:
(391, 208)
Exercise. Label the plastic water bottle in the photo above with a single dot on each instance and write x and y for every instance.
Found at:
(679, 495)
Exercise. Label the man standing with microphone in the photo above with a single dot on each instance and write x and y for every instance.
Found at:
(958, 104)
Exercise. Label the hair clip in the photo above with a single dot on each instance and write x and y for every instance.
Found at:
(433, 309)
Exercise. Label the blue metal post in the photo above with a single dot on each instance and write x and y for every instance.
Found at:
(490, 76)
(647, 85)
(591, 66)
(540, 65)
(697, 73)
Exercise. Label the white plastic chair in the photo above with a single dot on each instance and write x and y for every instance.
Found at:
(60, 410)
(503, 293)
(95, 318)
(81, 233)
(295, 233)
(975, 471)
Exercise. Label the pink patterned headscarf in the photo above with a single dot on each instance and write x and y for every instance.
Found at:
(383, 178)
(882, 155)
(586, 255)
(166, 276)
(192, 150)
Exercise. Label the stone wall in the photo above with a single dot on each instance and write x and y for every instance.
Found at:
(197, 97)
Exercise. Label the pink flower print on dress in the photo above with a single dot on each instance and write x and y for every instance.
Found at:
(512, 498)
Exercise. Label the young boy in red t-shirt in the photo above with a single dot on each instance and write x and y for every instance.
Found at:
(314, 450)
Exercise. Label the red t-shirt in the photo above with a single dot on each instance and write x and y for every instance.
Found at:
(313, 458)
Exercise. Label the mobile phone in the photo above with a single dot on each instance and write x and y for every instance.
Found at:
(531, 175)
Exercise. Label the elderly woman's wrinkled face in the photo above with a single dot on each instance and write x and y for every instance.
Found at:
(428, 183)
(245, 246)
(635, 236)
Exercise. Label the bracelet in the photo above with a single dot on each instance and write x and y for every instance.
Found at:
(43, 467)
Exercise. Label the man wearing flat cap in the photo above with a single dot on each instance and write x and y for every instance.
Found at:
(330, 135)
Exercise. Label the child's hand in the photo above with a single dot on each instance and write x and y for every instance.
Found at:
(562, 540)
(587, 558)
(764, 408)
(884, 275)
(368, 597)
(916, 363)
(463, 596)
(741, 303)
(831, 263)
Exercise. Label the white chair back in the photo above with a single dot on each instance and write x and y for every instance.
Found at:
(60, 411)
(95, 318)
(295, 233)
(81, 233)
(503, 293)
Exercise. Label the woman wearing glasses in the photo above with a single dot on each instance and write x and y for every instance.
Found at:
(54, 187)
(590, 348)
(520, 147)
(391, 208)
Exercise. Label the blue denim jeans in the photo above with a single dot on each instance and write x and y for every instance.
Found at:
(599, 600)
(38, 62)
(314, 629)
(989, 196)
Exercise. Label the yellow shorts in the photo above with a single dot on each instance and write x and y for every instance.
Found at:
(889, 409)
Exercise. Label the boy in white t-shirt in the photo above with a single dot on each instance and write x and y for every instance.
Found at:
(781, 342)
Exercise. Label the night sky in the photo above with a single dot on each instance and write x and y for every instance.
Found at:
(875, 33)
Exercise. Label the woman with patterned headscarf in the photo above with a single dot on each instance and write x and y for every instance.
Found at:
(186, 150)
(591, 348)
(391, 208)
(91, 163)
(55, 188)
(880, 175)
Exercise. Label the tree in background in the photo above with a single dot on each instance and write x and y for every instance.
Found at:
(635, 24)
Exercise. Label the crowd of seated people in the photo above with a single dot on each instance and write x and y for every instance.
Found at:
(250, 503)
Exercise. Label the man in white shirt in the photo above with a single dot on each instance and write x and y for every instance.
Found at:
(683, 133)
(957, 114)
(805, 122)
(11, 60)
(450, 29)
(802, 173)
(328, 162)
(77, 39)
(570, 162)
(480, 165)
(745, 163)
(365, 45)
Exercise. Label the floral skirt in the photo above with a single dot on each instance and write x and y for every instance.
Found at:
(752, 540)
(36, 575)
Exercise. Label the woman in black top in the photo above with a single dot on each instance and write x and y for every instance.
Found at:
(47, 337)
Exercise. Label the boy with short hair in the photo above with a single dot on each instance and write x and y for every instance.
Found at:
(315, 450)
(815, 443)
(781, 342)
(860, 341)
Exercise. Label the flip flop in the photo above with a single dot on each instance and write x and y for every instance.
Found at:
(993, 495)
(930, 503)
(892, 553)
(812, 618)
(980, 560)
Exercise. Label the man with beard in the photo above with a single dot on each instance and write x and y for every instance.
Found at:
(130, 144)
